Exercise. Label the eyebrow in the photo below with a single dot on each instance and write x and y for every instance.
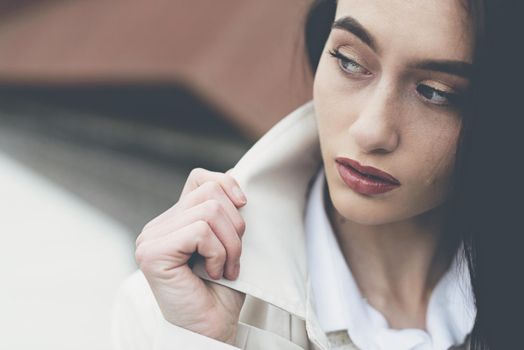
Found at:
(459, 68)
(352, 25)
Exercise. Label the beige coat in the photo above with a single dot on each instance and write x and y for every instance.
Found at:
(275, 174)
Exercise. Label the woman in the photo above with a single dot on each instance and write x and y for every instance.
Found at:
(372, 188)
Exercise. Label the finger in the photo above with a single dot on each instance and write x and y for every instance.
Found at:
(199, 176)
(213, 213)
(154, 222)
(170, 252)
(179, 217)
(211, 190)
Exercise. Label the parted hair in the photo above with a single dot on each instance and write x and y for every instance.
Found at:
(485, 210)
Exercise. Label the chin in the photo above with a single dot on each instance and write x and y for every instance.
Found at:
(358, 211)
(369, 210)
(362, 216)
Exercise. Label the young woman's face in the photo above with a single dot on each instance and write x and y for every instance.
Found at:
(387, 93)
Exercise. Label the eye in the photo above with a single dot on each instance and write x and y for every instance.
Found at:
(436, 96)
(348, 65)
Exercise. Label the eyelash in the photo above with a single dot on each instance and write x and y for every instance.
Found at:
(340, 57)
(451, 98)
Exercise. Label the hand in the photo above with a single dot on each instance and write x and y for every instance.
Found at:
(204, 221)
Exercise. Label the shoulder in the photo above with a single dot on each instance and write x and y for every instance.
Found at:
(136, 316)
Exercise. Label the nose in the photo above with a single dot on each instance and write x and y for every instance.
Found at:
(375, 129)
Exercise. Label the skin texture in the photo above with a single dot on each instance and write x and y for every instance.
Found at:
(372, 112)
(205, 220)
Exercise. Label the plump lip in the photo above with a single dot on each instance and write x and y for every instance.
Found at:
(367, 170)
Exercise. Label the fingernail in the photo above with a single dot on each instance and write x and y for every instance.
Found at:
(239, 194)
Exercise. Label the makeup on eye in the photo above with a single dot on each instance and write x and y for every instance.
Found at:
(429, 93)
(443, 98)
(357, 69)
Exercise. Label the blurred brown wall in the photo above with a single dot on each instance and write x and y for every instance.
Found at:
(244, 56)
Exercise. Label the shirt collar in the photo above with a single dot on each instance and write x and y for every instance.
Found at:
(340, 305)
(276, 174)
(333, 289)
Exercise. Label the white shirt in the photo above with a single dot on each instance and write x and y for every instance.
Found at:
(340, 306)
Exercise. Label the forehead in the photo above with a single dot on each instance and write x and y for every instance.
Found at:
(417, 29)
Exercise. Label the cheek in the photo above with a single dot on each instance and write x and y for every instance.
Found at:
(328, 88)
(333, 105)
(439, 161)
(323, 94)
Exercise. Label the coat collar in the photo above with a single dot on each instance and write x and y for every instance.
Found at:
(275, 175)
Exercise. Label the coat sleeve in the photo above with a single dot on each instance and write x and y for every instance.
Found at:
(138, 324)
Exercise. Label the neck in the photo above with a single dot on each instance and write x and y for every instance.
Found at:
(395, 265)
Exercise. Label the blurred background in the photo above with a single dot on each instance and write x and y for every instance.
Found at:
(105, 107)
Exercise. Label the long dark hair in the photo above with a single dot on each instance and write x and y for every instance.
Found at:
(486, 191)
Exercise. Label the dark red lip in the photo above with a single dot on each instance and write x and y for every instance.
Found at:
(367, 170)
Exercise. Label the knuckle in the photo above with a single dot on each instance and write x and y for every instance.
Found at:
(217, 253)
(203, 230)
(146, 227)
(139, 240)
(201, 226)
(142, 236)
(213, 208)
(240, 226)
(230, 179)
(213, 187)
(143, 255)
(196, 172)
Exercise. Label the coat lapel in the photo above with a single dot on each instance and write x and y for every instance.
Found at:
(275, 174)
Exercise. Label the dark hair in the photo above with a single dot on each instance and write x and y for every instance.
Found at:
(487, 178)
